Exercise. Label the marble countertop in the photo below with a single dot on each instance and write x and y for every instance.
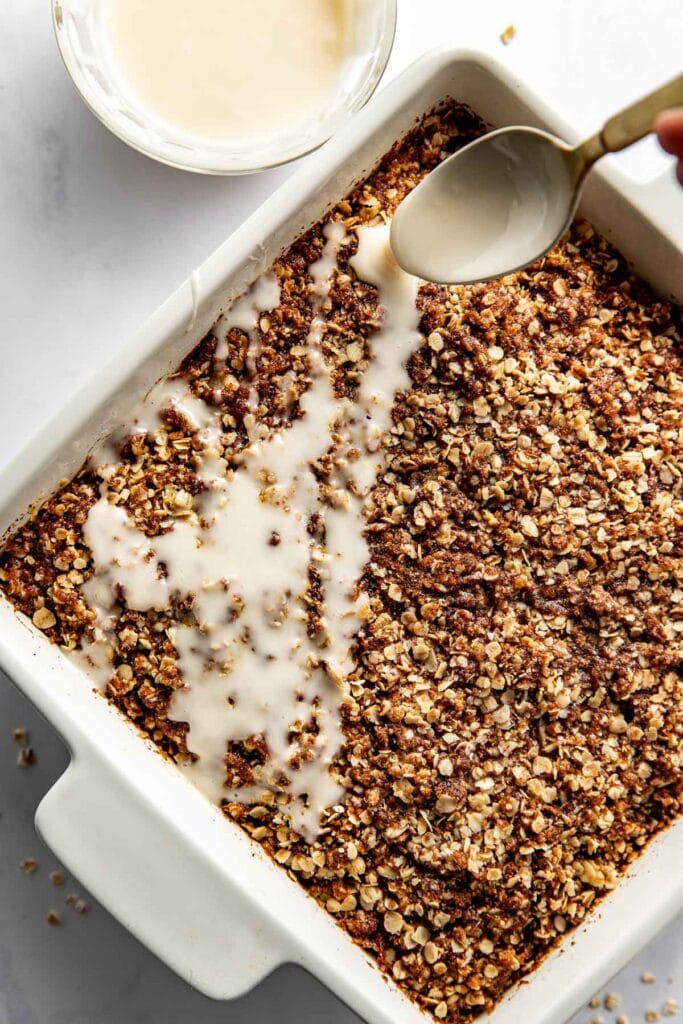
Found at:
(93, 237)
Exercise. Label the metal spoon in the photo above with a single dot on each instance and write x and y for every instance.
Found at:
(502, 201)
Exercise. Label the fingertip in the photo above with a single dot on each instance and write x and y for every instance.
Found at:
(669, 129)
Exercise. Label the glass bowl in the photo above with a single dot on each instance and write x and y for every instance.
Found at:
(83, 45)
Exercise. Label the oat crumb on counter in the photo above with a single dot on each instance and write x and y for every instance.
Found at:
(20, 735)
(77, 903)
(29, 866)
(507, 35)
(26, 757)
(53, 918)
(57, 878)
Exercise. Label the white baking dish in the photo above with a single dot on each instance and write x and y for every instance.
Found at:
(184, 880)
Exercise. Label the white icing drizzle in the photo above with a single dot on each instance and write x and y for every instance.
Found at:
(95, 658)
(195, 285)
(248, 664)
(127, 559)
(362, 424)
(173, 393)
(262, 297)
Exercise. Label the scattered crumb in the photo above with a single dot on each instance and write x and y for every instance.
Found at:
(612, 1000)
(29, 865)
(595, 1002)
(598, 1020)
(77, 903)
(622, 1019)
(648, 978)
(26, 757)
(20, 735)
(652, 1015)
(508, 35)
(57, 878)
(53, 918)
(670, 1008)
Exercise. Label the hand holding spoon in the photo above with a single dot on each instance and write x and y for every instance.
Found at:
(502, 201)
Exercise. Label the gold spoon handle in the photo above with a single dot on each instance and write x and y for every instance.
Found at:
(637, 120)
(627, 127)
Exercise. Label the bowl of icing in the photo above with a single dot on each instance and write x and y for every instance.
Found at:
(223, 86)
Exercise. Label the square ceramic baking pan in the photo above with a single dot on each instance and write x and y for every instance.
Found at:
(164, 861)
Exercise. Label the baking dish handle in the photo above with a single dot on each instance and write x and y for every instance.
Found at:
(198, 922)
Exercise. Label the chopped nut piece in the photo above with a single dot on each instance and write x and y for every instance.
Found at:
(53, 918)
(29, 865)
(57, 877)
(20, 735)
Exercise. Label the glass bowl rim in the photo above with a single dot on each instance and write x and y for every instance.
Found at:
(379, 63)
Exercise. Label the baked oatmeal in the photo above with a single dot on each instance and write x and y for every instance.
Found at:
(499, 697)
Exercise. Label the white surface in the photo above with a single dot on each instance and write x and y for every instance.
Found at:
(95, 237)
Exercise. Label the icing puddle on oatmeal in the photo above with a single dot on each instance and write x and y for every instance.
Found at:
(244, 555)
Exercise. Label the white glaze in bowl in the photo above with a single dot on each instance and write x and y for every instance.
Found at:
(80, 28)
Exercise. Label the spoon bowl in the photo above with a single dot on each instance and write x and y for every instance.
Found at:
(501, 202)
(493, 207)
